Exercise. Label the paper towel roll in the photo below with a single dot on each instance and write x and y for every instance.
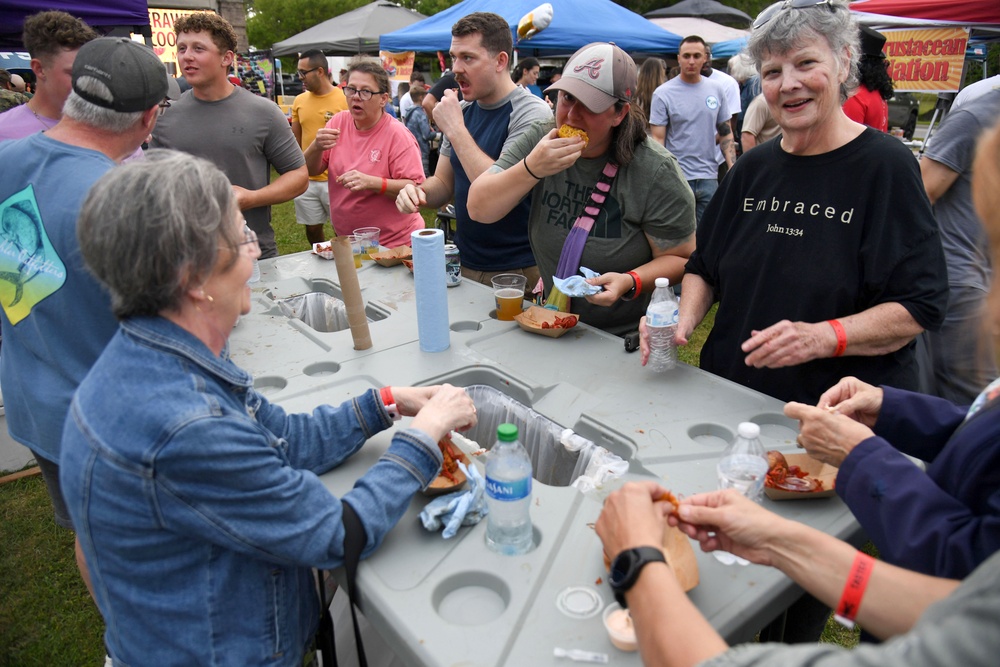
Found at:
(432, 293)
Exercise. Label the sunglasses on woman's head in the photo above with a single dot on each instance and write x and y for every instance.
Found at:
(779, 7)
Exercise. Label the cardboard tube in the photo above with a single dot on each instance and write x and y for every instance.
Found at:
(351, 289)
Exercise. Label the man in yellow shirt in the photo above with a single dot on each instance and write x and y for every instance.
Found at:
(311, 111)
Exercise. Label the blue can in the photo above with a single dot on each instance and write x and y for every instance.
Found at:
(452, 265)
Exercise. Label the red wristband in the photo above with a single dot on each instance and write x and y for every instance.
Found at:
(390, 403)
(386, 394)
(385, 185)
(854, 590)
(838, 329)
(638, 284)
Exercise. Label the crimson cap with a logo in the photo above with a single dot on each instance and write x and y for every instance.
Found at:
(598, 75)
(133, 77)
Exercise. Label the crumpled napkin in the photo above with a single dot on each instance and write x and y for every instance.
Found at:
(578, 285)
(461, 508)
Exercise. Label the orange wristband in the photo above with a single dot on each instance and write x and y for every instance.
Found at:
(838, 329)
(854, 590)
(385, 185)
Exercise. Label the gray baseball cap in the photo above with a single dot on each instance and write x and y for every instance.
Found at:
(134, 77)
(599, 75)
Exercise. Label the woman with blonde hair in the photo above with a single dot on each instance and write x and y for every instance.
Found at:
(652, 73)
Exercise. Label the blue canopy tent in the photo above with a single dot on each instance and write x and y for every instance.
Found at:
(574, 24)
(112, 17)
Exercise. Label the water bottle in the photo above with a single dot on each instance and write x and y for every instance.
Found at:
(508, 494)
(743, 467)
(661, 321)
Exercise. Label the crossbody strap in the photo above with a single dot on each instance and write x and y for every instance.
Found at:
(354, 544)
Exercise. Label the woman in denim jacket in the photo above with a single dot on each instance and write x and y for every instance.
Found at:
(197, 501)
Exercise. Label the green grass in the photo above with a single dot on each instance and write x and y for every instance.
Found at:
(46, 615)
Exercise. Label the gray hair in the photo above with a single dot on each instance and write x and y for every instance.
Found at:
(791, 28)
(151, 229)
(96, 116)
(741, 67)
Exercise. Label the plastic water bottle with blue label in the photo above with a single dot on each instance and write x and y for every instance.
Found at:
(508, 494)
(743, 467)
(661, 322)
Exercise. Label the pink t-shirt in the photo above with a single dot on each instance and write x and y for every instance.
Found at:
(388, 150)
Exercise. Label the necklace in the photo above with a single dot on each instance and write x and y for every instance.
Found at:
(41, 120)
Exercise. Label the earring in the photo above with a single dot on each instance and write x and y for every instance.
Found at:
(207, 297)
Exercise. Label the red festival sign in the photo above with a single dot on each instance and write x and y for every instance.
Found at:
(926, 60)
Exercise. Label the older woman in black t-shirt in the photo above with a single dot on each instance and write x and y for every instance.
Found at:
(819, 246)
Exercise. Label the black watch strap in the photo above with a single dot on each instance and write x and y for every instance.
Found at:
(626, 568)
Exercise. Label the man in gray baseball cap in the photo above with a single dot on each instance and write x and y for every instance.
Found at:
(56, 317)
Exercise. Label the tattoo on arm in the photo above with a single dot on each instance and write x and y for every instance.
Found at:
(668, 244)
(724, 129)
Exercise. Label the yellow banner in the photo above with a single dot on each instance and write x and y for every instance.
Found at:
(927, 60)
(161, 22)
(398, 66)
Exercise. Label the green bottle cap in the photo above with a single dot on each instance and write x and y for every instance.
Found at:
(507, 432)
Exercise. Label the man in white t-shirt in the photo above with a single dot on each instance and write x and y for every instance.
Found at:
(732, 103)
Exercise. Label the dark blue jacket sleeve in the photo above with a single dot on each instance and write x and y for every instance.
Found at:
(943, 521)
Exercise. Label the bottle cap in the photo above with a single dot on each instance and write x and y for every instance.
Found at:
(748, 430)
(663, 282)
(507, 432)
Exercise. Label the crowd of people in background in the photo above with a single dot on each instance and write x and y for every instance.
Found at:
(846, 278)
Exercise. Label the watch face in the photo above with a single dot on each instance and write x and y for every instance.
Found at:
(621, 567)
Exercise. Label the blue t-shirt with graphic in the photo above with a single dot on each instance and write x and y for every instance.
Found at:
(56, 317)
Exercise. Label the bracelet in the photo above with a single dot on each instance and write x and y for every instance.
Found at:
(385, 185)
(636, 287)
(390, 403)
(854, 590)
(525, 161)
(838, 329)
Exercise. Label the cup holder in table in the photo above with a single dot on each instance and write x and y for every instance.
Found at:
(466, 325)
(711, 435)
(777, 428)
(321, 368)
(269, 384)
(471, 598)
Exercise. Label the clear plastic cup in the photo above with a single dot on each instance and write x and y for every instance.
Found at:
(355, 249)
(508, 292)
(369, 239)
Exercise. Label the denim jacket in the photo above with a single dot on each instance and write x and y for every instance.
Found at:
(198, 506)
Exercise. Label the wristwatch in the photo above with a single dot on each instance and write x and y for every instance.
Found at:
(626, 568)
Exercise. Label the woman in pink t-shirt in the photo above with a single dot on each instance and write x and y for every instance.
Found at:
(371, 157)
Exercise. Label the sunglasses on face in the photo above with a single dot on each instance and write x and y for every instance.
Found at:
(779, 7)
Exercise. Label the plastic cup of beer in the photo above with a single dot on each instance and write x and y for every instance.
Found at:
(508, 291)
(355, 249)
(369, 237)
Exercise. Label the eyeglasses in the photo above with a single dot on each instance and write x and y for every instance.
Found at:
(164, 105)
(365, 95)
(779, 7)
(249, 236)
(304, 72)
